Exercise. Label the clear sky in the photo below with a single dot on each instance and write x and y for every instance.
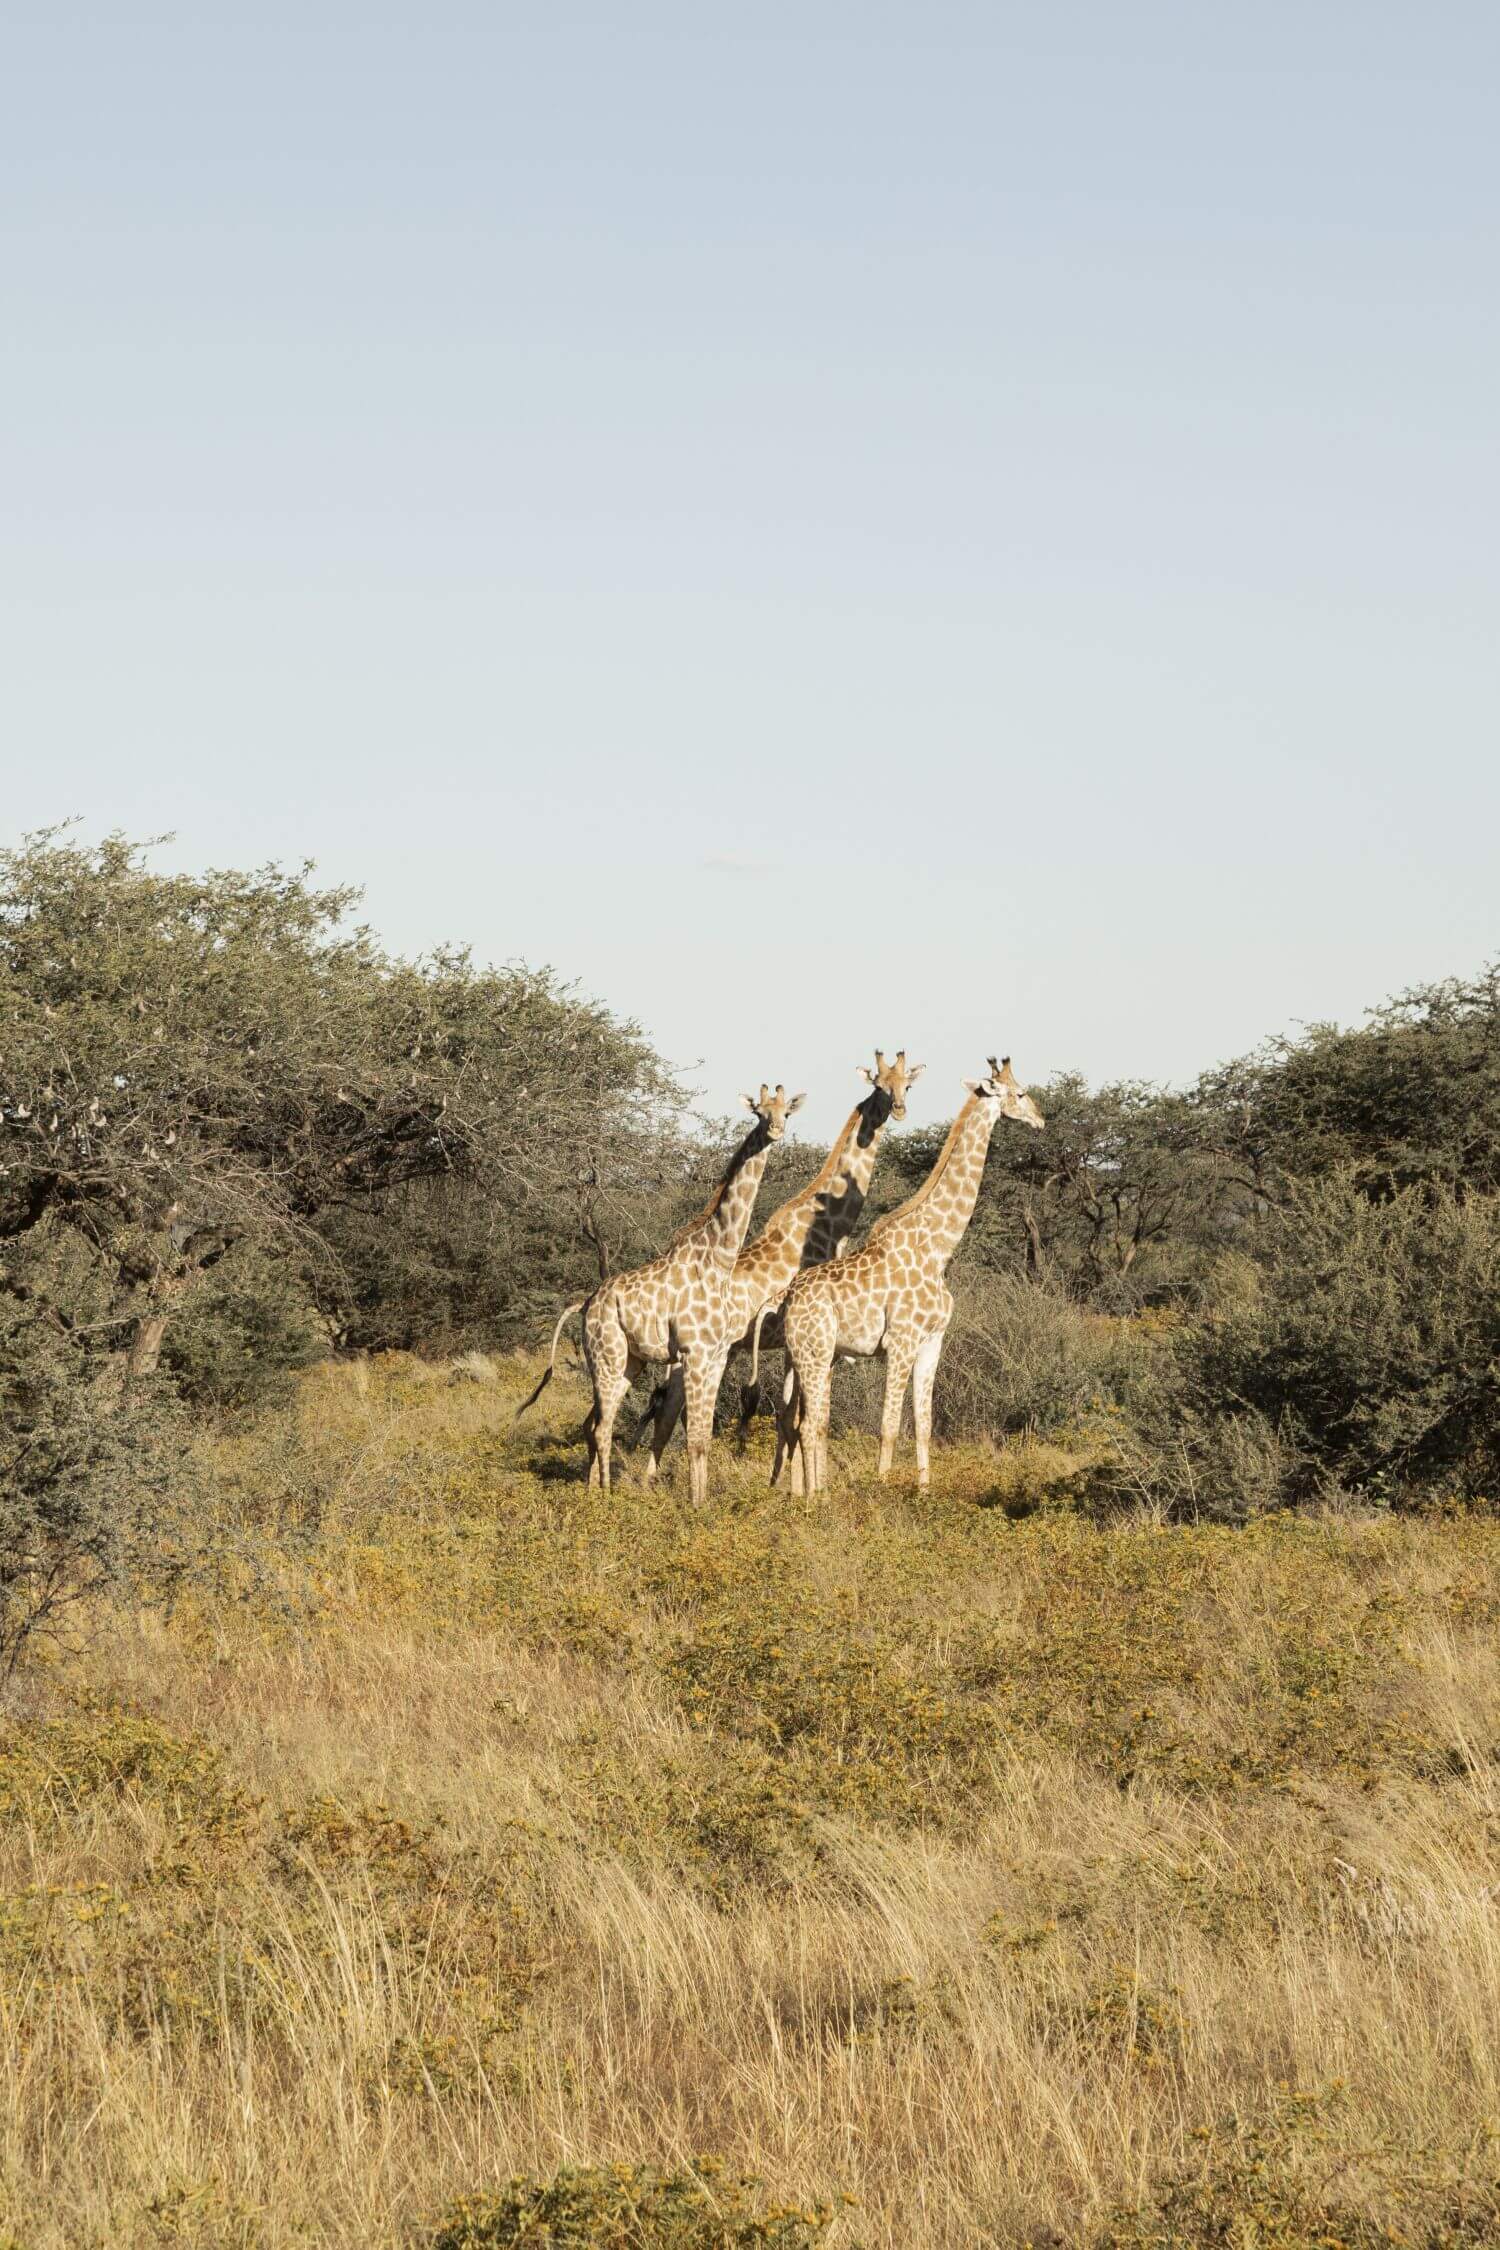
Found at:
(960, 526)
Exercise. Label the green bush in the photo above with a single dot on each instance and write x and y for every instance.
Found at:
(1359, 1351)
(1368, 1344)
(1023, 1356)
(244, 1332)
(857, 1718)
(86, 1470)
(1412, 1099)
(630, 2207)
(1284, 2180)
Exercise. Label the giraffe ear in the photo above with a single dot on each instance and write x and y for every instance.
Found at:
(975, 1086)
(748, 1101)
(866, 1072)
(795, 1103)
(915, 1073)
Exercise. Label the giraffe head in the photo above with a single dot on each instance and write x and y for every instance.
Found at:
(1003, 1086)
(893, 1078)
(773, 1109)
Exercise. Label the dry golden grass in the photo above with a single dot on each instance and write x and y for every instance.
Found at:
(1009, 1877)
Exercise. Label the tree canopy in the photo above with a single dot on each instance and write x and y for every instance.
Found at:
(187, 1061)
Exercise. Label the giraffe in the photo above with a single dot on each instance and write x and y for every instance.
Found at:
(890, 1297)
(674, 1308)
(814, 1225)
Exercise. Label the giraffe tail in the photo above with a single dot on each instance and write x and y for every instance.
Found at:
(760, 1320)
(563, 1320)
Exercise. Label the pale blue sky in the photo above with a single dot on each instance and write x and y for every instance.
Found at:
(965, 526)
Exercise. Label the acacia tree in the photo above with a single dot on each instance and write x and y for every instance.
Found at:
(191, 1061)
(1116, 1202)
(221, 1067)
(1410, 1099)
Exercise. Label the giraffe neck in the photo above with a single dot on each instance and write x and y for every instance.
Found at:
(914, 1203)
(732, 1219)
(726, 1222)
(947, 1201)
(827, 1210)
(836, 1197)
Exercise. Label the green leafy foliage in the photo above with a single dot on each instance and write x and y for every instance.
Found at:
(1113, 1204)
(245, 1331)
(189, 1063)
(232, 1127)
(87, 1476)
(1361, 1349)
(1412, 1099)
(1285, 2181)
(631, 2207)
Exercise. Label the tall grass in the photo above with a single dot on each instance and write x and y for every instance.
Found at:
(1009, 1877)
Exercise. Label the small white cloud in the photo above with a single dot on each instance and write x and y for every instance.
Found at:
(734, 863)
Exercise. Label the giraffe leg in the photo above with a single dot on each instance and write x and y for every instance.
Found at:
(591, 1421)
(790, 1466)
(750, 1398)
(924, 1374)
(701, 1380)
(899, 1355)
(825, 1425)
(614, 1372)
(788, 1416)
(651, 1409)
(750, 1406)
(669, 1403)
(752, 1395)
(598, 1356)
(794, 1447)
(604, 1435)
(816, 1385)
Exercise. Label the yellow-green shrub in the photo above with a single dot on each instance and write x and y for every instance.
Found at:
(631, 2207)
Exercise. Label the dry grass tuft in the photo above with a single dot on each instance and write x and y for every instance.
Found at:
(477, 1853)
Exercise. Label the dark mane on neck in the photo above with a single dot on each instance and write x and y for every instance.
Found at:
(754, 1141)
(859, 1129)
(873, 1114)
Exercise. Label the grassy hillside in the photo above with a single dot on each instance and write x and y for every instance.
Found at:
(1019, 1879)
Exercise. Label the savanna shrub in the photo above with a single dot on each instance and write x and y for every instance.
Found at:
(1286, 2179)
(243, 1333)
(1023, 1356)
(1360, 1350)
(630, 2207)
(84, 1468)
